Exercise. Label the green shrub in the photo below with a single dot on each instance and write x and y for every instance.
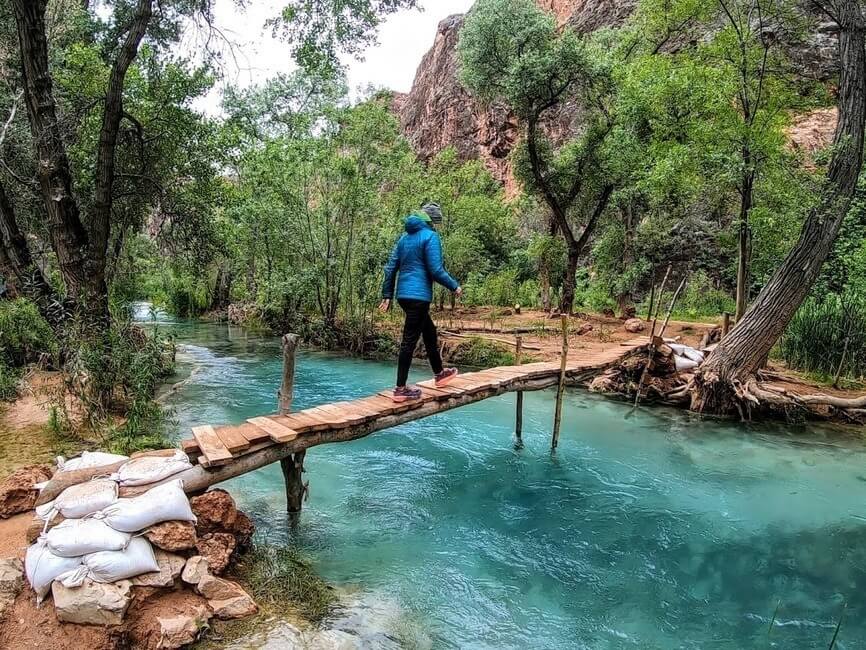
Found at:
(24, 334)
(118, 376)
(9, 378)
(529, 294)
(815, 340)
(187, 296)
(479, 352)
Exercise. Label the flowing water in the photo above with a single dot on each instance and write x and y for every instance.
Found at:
(658, 531)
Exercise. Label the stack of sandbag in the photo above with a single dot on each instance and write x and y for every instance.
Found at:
(99, 538)
(685, 357)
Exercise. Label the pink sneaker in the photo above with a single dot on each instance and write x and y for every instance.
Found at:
(445, 377)
(406, 393)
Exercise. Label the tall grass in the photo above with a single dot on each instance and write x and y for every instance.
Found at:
(826, 333)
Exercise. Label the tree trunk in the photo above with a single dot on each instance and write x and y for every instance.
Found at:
(744, 238)
(721, 385)
(20, 269)
(545, 288)
(566, 304)
(623, 299)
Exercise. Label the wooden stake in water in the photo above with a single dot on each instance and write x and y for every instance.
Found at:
(518, 416)
(293, 465)
(557, 420)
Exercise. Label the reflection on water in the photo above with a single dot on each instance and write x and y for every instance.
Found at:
(660, 531)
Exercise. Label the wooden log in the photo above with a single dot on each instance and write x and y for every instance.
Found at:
(557, 419)
(292, 465)
(488, 338)
(518, 415)
(286, 393)
(198, 478)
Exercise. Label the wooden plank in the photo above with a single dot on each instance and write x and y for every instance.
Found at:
(402, 407)
(190, 448)
(345, 412)
(361, 407)
(382, 406)
(233, 440)
(277, 432)
(333, 420)
(302, 422)
(431, 383)
(435, 393)
(253, 434)
(213, 449)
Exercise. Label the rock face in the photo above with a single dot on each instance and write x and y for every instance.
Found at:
(17, 493)
(172, 535)
(92, 603)
(439, 112)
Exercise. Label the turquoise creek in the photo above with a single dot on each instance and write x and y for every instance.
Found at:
(657, 531)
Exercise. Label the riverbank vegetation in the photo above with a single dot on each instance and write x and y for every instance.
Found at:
(681, 155)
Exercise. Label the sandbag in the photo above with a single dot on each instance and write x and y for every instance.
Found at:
(167, 502)
(88, 459)
(46, 511)
(110, 566)
(83, 499)
(75, 537)
(694, 355)
(151, 469)
(684, 364)
(42, 567)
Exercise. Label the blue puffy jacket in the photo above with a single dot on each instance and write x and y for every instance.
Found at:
(417, 257)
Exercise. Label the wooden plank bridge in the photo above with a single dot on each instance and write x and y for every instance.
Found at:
(222, 452)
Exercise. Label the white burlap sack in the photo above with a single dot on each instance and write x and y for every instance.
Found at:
(110, 566)
(694, 355)
(87, 460)
(42, 567)
(167, 502)
(85, 498)
(684, 364)
(75, 537)
(151, 469)
(46, 511)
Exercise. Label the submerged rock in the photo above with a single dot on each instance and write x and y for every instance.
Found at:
(172, 535)
(93, 603)
(17, 491)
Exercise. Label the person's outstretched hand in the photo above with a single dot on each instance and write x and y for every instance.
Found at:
(458, 291)
(385, 305)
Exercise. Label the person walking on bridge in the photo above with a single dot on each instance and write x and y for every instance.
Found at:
(415, 263)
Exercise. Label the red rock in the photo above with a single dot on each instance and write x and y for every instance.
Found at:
(17, 493)
(634, 325)
(217, 513)
(172, 535)
(217, 549)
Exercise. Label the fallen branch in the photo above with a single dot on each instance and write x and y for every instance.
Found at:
(446, 333)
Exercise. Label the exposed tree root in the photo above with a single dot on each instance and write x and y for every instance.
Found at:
(746, 397)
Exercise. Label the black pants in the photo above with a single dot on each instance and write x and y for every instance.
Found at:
(418, 323)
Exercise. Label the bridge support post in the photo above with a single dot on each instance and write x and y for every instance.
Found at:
(560, 391)
(518, 416)
(292, 465)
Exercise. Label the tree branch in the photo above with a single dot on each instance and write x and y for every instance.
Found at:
(112, 114)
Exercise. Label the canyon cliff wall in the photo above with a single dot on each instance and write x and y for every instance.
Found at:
(439, 113)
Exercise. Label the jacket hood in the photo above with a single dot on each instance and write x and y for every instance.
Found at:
(413, 224)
